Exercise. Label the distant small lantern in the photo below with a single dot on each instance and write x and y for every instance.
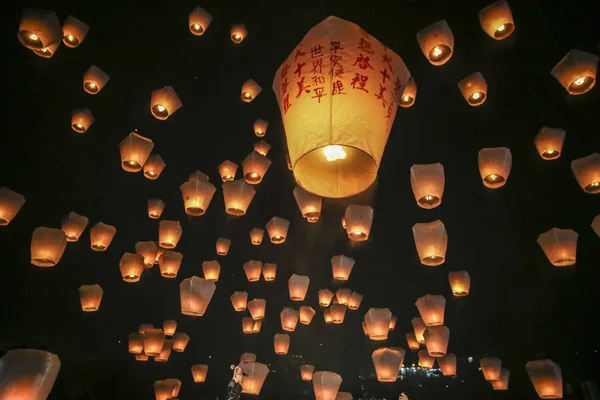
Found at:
(387, 363)
(298, 286)
(549, 142)
(377, 321)
(560, 246)
(142, 357)
(257, 308)
(262, 147)
(358, 222)
(255, 166)
(247, 358)
(447, 364)
(94, 79)
(409, 95)
(155, 208)
(277, 228)
(227, 170)
(289, 319)
(502, 383)
(269, 271)
(343, 295)
(143, 327)
(254, 377)
(393, 322)
(436, 340)
(253, 268)
(169, 233)
(197, 195)
(131, 266)
(431, 307)
(239, 300)
(154, 339)
(199, 372)
(497, 20)
(306, 315)
(10, 204)
(73, 226)
(341, 266)
(411, 339)
(460, 283)
(338, 313)
(39, 29)
(431, 241)
(47, 246)
(135, 150)
(576, 72)
(309, 204)
(211, 270)
(147, 250)
(494, 166)
(250, 89)
(195, 295)
(306, 372)
(81, 120)
(135, 343)
(199, 20)
(238, 195)
(27, 374)
(354, 301)
(48, 51)
(327, 316)
(281, 343)
(74, 31)
(596, 224)
(474, 89)
(247, 325)
(326, 385)
(490, 366)
(180, 341)
(101, 235)
(90, 297)
(419, 329)
(427, 181)
(325, 297)
(164, 102)
(238, 33)
(169, 327)
(154, 166)
(256, 236)
(257, 325)
(436, 42)
(587, 172)
(169, 264)
(223, 246)
(165, 352)
(425, 360)
(260, 127)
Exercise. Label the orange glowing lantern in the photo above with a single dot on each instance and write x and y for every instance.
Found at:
(94, 79)
(377, 322)
(549, 142)
(250, 89)
(135, 150)
(447, 364)
(257, 325)
(180, 341)
(277, 228)
(431, 307)
(131, 266)
(497, 20)
(135, 343)
(10, 204)
(269, 271)
(306, 314)
(474, 89)
(431, 241)
(197, 195)
(387, 363)
(255, 166)
(490, 366)
(358, 222)
(257, 308)
(239, 300)
(199, 372)
(195, 295)
(223, 246)
(256, 236)
(425, 360)
(419, 329)
(393, 322)
(238, 33)
(281, 343)
(162, 390)
(253, 268)
(460, 283)
(169, 263)
(494, 166)
(154, 166)
(73, 226)
(343, 296)
(169, 327)
(141, 357)
(326, 385)
(327, 316)
(211, 270)
(81, 120)
(409, 95)
(155, 208)
(101, 235)
(247, 358)
(289, 319)
(154, 339)
(247, 325)
(164, 102)
(436, 42)
(596, 224)
(427, 181)
(298, 286)
(338, 313)
(309, 204)
(502, 383)
(39, 29)
(306, 372)
(560, 246)
(237, 195)
(260, 127)
(74, 31)
(436, 340)
(27, 374)
(411, 339)
(587, 172)
(148, 250)
(325, 297)
(165, 352)
(48, 51)
(199, 20)
(169, 233)
(262, 147)
(47, 246)
(576, 72)
(354, 301)
(254, 377)
(341, 266)
(227, 170)
(90, 297)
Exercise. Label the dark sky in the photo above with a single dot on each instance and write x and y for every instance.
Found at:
(521, 307)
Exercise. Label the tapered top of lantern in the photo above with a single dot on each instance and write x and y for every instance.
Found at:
(338, 106)
(39, 29)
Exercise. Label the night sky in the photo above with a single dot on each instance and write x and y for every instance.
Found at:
(520, 308)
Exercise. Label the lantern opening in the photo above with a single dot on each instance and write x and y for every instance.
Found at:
(150, 174)
(197, 28)
(98, 247)
(194, 211)
(30, 39)
(160, 111)
(131, 278)
(407, 100)
(433, 261)
(3, 222)
(429, 201)
(79, 128)
(235, 211)
(593, 188)
(72, 40)
(494, 180)
(312, 216)
(90, 87)
(247, 97)
(43, 262)
(236, 38)
(131, 166)
(551, 154)
(581, 84)
(440, 53)
(504, 30)
(253, 178)
(357, 235)
(477, 98)
(166, 245)
(278, 239)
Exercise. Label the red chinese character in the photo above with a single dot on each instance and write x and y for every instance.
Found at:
(299, 69)
(337, 69)
(284, 70)
(335, 46)
(317, 66)
(318, 93)
(385, 74)
(380, 94)
(299, 53)
(361, 80)
(316, 51)
(286, 103)
(397, 87)
(389, 110)
(365, 46)
(318, 80)
(388, 60)
(302, 87)
(284, 85)
(362, 61)
(338, 88)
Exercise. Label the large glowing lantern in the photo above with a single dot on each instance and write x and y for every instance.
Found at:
(248, 358)
(546, 377)
(306, 372)
(419, 329)
(256, 236)
(253, 268)
(254, 377)
(247, 325)
(490, 366)
(447, 364)
(269, 271)
(90, 297)
(169, 263)
(101, 235)
(10, 204)
(238, 33)
(73, 226)
(148, 250)
(260, 127)
(576, 72)
(211, 270)
(237, 195)
(155, 208)
(502, 383)
(549, 142)
(587, 172)
(227, 170)
(250, 89)
(281, 343)
(277, 228)
(169, 327)
(180, 341)
(239, 300)
(409, 95)
(387, 363)
(47, 246)
(165, 352)
(298, 286)
(436, 340)
(154, 166)
(343, 296)
(289, 318)
(358, 222)
(255, 166)
(338, 94)
(257, 308)
(223, 246)
(354, 301)
(164, 102)
(94, 79)
(431, 241)
(494, 166)
(496, 20)
(197, 195)
(431, 307)
(377, 322)
(135, 343)
(596, 224)
(341, 266)
(306, 314)
(154, 339)
(74, 31)
(474, 89)
(198, 21)
(338, 313)
(135, 150)
(411, 339)
(427, 181)
(325, 297)
(39, 29)
(436, 42)
(326, 385)
(560, 246)
(425, 360)
(262, 147)
(81, 120)
(169, 233)
(195, 295)
(199, 372)
(460, 283)
(131, 266)
(27, 374)
(309, 204)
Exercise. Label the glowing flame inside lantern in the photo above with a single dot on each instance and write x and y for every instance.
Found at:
(33, 36)
(334, 152)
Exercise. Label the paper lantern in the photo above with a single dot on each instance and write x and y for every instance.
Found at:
(247, 358)
(281, 343)
(289, 319)
(257, 308)
(198, 21)
(239, 300)
(338, 93)
(176, 385)
(90, 297)
(306, 314)
(419, 329)
(298, 286)
(155, 208)
(325, 297)
(197, 195)
(48, 51)
(431, 241)
(474, 89)
(277, 228)
(306, 372)
(576, 72)
(262, 147)
(377, 322)
(497, 20)
(327, 316)
(447, 364)
(411, 339)
(101, 235)
(238, 33)
(199, 371)
(154, 339)
(354, 301)
(247, 325)
(169, 327)
(39, 29)
(169, 233)
(94, 79)
(253, 268)
(549, 142)
(387, 363)
(227, 170)
(47, 246)
(337, 312)
(257, 325)
(358, 221)
(73, 226)
(436, 42)
(81, 120)
(162, 390)
(494, 166)
(180, 341)
(254, 378)
(431, 307)
(490, 366)
(560, 246)
(211, 270)
(141, 357)
(135, 343)
(237, 195)
(269, 271)
(153, 167)
(27, 374)
(596, 224)
(502, 383)
(425, 360)
(147, 250)
(74, 31)
(10, 204)
(409, 95)
(427, 181)
(343, 296)
(393, 322)
(255, 166)
(142, 328)
(165, 352)
(341, 266)
(343, 396)
(195, 295)
(309, 204)
(164, 102)
(436, 340)
(159, 253)
(326, 385)
(260, 127)
(169, 263)
(135, 150)
(587, 172)
(250, 89)
(223, 246)
(131, 266)
(256, 236)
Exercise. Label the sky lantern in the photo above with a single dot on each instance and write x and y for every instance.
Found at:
(155, 208)
(262, 147)
(447, 364)
(257, 308)
(327, 316)
(474, 89)
(227, 170)
(289, 318)
(10, 204)
(257, 326)
(377, 321)
(169, 327)
(256, 236)
(239, 300)
(269, 271)
(73, 226)
(494, 166)
(169, 264)
(306, 372)
(260, 127)
(198, 21)
(197, 195)
(142, 328)
(47, 246)
(195, 295)
(298, 286)
(341, 266)
(250, 89)
(436, 42)
(223, 246)
(101, 235)
(354, 301)
(39, 29)
(325, 296)
(27, 374)
(309, 204)
(277, 228)
(576, 72)
(549, 142)
(131, 266)
(460, 283)
(596, 224)
(147, 250)
(154, 340)
(237, 195)
(253, 268)
(560, 246)
(326, 385)
(74, 31)
(199, 372)
(94, 79)
(425, 360)
(393, 322)
(48, 51)
(142, 357)
(431, 241)
(427, 181)
(358, 221)
(159, 253)
(587, 172)
(166, 389)
(135, 343)
(154, 166)
(306, 314)
(238, 33)
(165, 352)
(343, 295)
(337, 127)
(281, 343)
(431, 307)
(502, 383)
(411, 339)
(81, 120)
(436, 340)
(419, 329)
(338, 313)
(490, 366)
(135, 150)
(247, 358)
(169, 233)
(255, 166)
(409, 95)
(387, 363)
(497, 20)
(90, 297)
(164, 102)
(247, 325)
(180, 341)
(211, 270)
(254, 377)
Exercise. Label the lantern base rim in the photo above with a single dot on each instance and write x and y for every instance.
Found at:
(131, 279)
(357, 236)
(436, 354)
(160, 115)
(443, 57)
(44, 54)
(71, 43)
(77, 129)
(565, 262)
(87, 86)
(192, 313)
(166, 245)
(72, 238)
(460, 294)
(550, 154)
(197, 31)
(592, 188)
(387, 380)
(43, 262)
(154, 216)
(194, 211)
(506, 32)
(151, 175)
(235, 211)
(4, 222)
(25, 39)
(278, 240)
(429, 202)
(433, 261)
(588, 83)
(89, 309)
(476, 101)
(496, 183)
(406, 103)
(131, 166)
(98, 247)
(169, 275)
